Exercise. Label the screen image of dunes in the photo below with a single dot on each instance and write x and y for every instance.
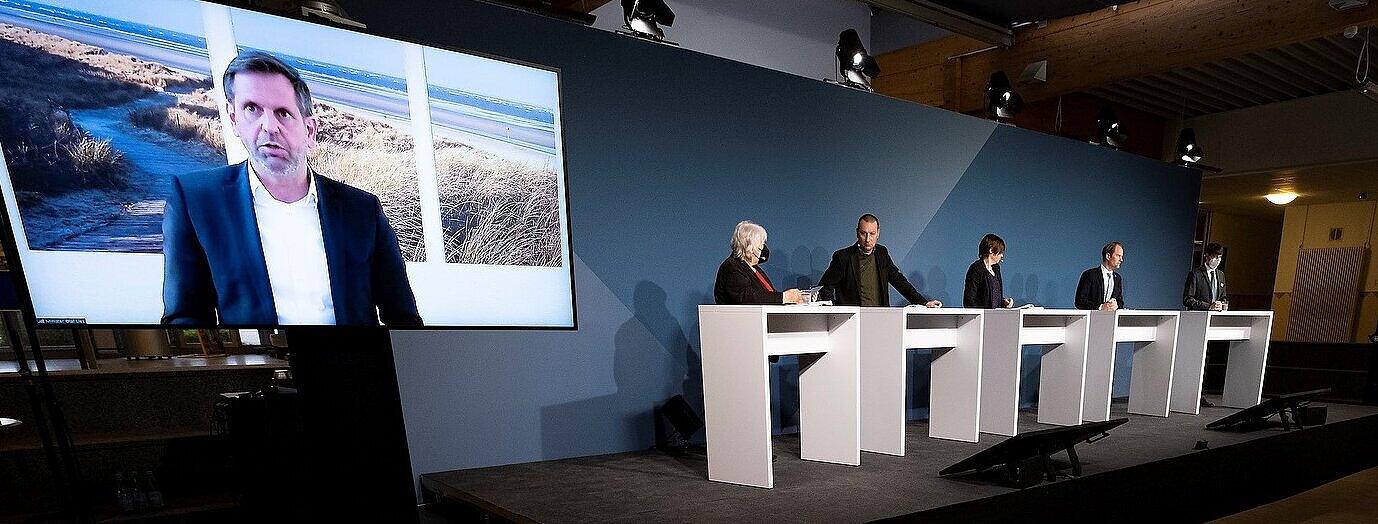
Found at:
(99, 113)
(495, 163)
(104, 104)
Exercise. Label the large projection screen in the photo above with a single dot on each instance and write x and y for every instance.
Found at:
(104, 102)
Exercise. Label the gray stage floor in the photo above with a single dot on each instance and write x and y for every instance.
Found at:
(649, 486)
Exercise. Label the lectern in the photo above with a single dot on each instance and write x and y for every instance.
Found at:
(736, 343)
(1248, 333)
(955, 390)
(1063, 334)
(1154, 334)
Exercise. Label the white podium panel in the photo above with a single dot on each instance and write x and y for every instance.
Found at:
(736, 341)
(1154, 334)
(1064, 334)
(955, 389)
(1247, 332)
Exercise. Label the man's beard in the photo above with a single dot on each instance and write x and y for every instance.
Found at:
(277, 167)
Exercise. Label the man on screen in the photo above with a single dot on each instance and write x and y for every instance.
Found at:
(270, 242)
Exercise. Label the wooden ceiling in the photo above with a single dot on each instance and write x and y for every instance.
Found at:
(1150, 42)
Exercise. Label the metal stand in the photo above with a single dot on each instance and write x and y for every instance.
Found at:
(52, 425)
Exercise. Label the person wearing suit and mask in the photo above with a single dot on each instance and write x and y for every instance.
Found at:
(984, 287)
(740, 279)
(1092, 292)
(1205, 287)
(861, 275)
(1205, 291)
(269, 241)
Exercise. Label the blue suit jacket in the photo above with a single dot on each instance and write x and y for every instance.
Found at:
(213, 262)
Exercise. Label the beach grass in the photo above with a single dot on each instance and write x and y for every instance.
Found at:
(389, 175)
(497, 211)
(45, 78)
(48, 153)
(193, 118)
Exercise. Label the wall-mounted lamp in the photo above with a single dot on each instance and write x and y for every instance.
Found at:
(1109, 131)
(642, 18)
(1001, 100)
(856, 67)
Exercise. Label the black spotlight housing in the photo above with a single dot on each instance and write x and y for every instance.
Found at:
(1109, 130)
(1001, 100)
(854, 64)
(1188, 151)
(643, 18)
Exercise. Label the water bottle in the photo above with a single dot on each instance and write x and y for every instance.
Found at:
(124, 496)
(155, 495)
(140, 496)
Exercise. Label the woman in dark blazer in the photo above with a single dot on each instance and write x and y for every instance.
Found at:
(984, 287)
(740, 280)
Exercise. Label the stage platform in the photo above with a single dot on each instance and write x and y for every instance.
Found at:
(1145, 470)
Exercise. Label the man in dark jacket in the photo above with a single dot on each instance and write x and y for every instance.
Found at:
(861, 275)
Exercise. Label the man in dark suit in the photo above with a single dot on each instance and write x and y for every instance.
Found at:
(861, 275)
(1205, 291)
(1205, 287)
(270, 242)
(1091, 289)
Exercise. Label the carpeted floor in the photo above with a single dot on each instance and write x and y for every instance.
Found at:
(651, 486)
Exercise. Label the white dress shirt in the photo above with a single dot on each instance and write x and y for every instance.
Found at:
(1210, 278)
(1108, 277)
(295, 254)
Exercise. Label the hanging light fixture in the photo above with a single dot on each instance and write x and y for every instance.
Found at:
(1001, 100)
(1188, 151)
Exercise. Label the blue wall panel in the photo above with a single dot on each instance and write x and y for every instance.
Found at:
(666, 150)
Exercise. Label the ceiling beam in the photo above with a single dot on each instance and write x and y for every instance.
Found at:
(950, 19)
(1109, 46)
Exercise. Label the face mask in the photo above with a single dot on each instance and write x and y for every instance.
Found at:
(765, 255)
(1212, 263)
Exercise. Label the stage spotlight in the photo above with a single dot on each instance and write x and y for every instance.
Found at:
(1188, 151)
(1001, 100)
(643, 18)
(1109, 131)
(856, 67)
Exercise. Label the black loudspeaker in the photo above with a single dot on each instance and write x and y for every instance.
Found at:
(676, 423)
(1310, 415)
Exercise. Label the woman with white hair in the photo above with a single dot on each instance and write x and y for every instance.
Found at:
(740, 280)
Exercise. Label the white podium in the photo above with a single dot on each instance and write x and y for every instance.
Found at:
(1064, 334)
(1154, 334)
(736, 390)
(955, 390)
(1247, 332)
